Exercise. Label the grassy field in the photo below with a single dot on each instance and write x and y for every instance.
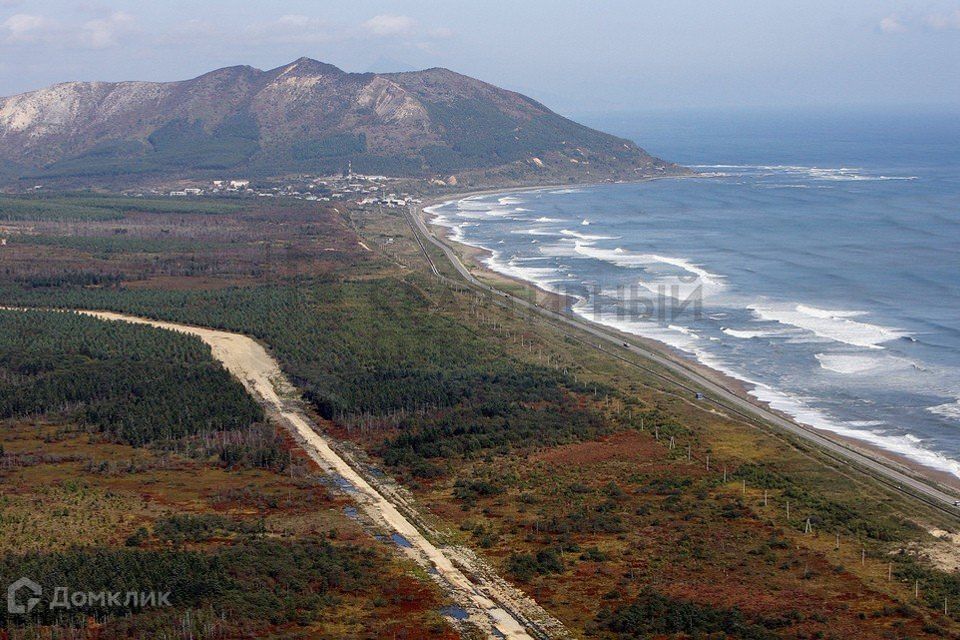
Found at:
(566, 470)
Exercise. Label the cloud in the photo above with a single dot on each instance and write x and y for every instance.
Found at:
(294, 22)
(107, 32)
(25, 28)
(94, 28)
(291, 29)
(931, 22)
(189, 31)
(892, 24)
(943, 21)
(388, 25)
(99, 33)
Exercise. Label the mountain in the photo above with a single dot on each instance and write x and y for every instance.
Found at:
(306, 116)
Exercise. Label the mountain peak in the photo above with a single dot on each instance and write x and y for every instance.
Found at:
(304, 117)
(309, 66)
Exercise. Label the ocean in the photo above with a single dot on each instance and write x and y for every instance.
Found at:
(816, 258)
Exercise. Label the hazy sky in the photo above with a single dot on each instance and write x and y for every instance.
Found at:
(575, 56)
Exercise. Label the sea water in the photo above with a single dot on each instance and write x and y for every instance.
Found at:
(816, 258)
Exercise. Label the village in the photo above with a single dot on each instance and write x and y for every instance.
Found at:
(348, 186)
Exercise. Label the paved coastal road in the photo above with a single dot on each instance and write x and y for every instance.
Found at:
(694, 382)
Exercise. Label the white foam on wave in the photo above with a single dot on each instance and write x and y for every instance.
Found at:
(847, 364)
(477, 209)
(673, 288)
(545, 278)
(623, 258)
(835, 174)
(675, 336)
(846, 174)
(537, 231)
(468, 215)
(440, 218)
(949, 410)
(546, 219)
(800, 410)
(872, 364)
(906, 444)
(470, 204)
(586, 236)
(836, 325)
(562, 191)
(684, 330)
(493, 213)
(746, 334)
(456, 227)
(797, 407)
(436, 212)
(561, 249)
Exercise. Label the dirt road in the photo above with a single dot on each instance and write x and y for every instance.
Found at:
(492, 604)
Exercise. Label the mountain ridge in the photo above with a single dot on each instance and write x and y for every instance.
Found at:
(304, 116)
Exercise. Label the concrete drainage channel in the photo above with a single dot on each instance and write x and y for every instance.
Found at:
(482, 598)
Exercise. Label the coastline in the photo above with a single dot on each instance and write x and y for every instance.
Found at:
(473, 259)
